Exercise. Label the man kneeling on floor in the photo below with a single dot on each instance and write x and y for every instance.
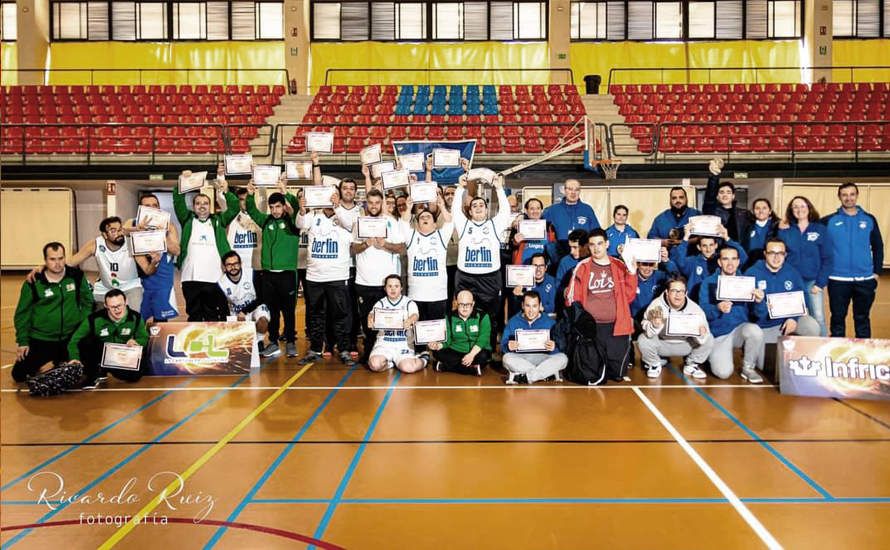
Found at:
(395, 347)
(116, 324)
(467, 345)
(526, 366)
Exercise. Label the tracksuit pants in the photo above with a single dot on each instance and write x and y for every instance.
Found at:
(747, 336)
(366, 297)
(40, 352)
(328, 304)
(536, 366)
(204, 301)
(652, 349)
(279, 293)
(862, 294)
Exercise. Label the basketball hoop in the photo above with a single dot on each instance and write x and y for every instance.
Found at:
(609, 168)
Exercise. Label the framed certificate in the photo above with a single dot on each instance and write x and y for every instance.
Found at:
(643, 250)
(330, 180)
(482, 174)
(446, 158)
(154, 218)
(320, 142)
(414, 162)
(378, 168)
(708, 226)
(786, 304)
(371, 154)
(429, 331)
(424, 192)
(520, 275)
(146, 242)
(735, 289)
(193, 182)
(298, 170)
(237, 165)
(531, 340)
(533, 230)
(396, 178)
(370, 227)
(683, 324)
(388, 319)
(318, 196)
(266, 175)
(121, 356)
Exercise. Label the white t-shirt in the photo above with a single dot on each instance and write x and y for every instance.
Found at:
(397, 338)
(374, 264)
(202, 263)
(328, 248)
(117, 269)
(239, 293)
(245, 238)
(479, 244)
(348, 216)
(427, 255)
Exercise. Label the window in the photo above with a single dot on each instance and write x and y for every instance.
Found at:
(529, 20)
(7, 15)
(654, 20)
(448, 21)
(710, 20)
(597, 20)
(857, 18)
(773, 18)
(190, 21)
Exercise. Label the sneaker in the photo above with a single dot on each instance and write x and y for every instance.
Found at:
(653, 372)
(291, 349)
(272, 350)
(751, 375)
(346, 358)
(261, 347)
(91, 384)
(693, 371)
(515, 379)
(310, 357)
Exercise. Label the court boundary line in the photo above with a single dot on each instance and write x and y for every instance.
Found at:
(863, 413)
(765, 536)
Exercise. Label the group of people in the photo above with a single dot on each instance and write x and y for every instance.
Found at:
(445, 261)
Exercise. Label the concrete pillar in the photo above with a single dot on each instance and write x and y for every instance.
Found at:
(817, 36)
(296, 43)
(558, 40)
(33, 39)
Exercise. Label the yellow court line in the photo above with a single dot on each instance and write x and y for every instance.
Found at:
(196, 465)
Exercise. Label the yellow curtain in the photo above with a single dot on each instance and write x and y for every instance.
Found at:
(859, 53)
(8, 56)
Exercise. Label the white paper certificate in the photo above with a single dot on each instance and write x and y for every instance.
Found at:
(429, 331)
(424, 192)
(320, 142)
(735, 289)
(786, 304)
(194, 181)
(298, 170)
(370, 227)
(146, 242)
(154, 218)
(371, 154)
(683, 324)
(533, 230)
(121, 356)
(705, 225)
(330, 180)
(414, 162)
(378, 168)
(318, 196)
(396, 178)
(531, 340)
(484, 174)
(446, 158)
(643, 250)
(520, 275)
(388, 319)
(239, 164)
(266, 175)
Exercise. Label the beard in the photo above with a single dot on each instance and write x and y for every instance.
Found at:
(678, 212)
(119, 241)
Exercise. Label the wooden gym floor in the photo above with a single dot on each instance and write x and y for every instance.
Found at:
(360, 460)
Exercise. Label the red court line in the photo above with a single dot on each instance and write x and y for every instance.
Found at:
(216, 523)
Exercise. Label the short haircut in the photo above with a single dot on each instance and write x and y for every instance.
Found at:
(538, 255)
(103, 225)
(240, 192)
(374, 193)
(598, 232)
(531, 294)
(276, 198)
(346, 180)
(230, 254)
(392, 276)
(200, 195)
(675, 278)
(113, 293)
(578, 236)
(726, 184)
(812, 215)
(55, 245)
(847, 185)
(774, 240)
(537, 200)
(727, 247)
(679, 188)
(149, 196)
(620, 207)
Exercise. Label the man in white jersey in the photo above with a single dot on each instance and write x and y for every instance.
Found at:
(244, 235)
(395, 347)
(427, 253)
(239, 284)
(348, 211)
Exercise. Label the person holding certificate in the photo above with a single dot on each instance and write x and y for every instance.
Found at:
(116, 324)
(467, 346)
(530, 233)
(728, 318)
(545, 286)
(619, 231)
(651, 278)
(240, 286)
(675, 326)
(674, 218)
(396, 315)
(532, 354)
(697, 268)
(720, 201)
(245, 236)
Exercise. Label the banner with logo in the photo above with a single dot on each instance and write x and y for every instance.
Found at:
(442, 176)
(845, 368)
(185, 348)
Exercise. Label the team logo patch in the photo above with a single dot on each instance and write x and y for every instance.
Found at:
(811, 237)
(862, 225)
(280, 225)
(474, 328)
(458, 328)
(103, 332)
(154, 330)
(48, 292)
(753, 233)
(126, 331)
(788, 285)
(101, 248)
(698, 270)
(69, 287)
(582, 220)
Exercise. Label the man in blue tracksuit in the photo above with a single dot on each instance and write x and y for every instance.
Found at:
(675, 217)
(567, 215)
(529, 366)
(697, 268)
(545, 286)
(857, 249)
(651, 278)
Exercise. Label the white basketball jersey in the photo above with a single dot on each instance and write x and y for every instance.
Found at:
(328, 248)
(397, 338)
(479, 248)
(117, 269)
(427, 260)
(245, 238)
(240, 293)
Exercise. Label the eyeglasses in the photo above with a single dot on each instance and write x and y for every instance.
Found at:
(465, 305)
(677, 291)
(776, 253)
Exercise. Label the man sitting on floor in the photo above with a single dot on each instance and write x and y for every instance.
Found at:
(467, 345)
(529, 366)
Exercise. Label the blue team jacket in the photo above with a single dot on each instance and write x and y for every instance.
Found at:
(855, 242)
(617, 238)
(720, 323)
(666, 221)
(647, 290)
(547, 288)
(566, 217)
(786, 279)
(519, 322)
(697, 268)
(808, 252)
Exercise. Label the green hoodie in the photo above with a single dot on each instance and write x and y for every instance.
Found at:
(99, 325)
(219, 220)
(52, 311)
(281, 238)
(462, 335)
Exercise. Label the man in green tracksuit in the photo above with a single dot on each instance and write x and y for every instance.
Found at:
(116, 324)
(48, 312)
(467, 345)
(281, 242)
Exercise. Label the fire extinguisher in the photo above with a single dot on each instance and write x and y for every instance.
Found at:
(293, 86)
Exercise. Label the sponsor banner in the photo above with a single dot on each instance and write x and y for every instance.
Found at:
(183, 348)
(845, 368)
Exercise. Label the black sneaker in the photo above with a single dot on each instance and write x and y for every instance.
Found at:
(347, 359)
(514, 379)
(310, 357)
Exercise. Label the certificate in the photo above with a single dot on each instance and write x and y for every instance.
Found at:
(379, 168)
(298, 170)
(683, 324)
(482, 174)
(121, 356)
(429, 331)
(786, 304)
(370, 227)
(735, 289)
(531, 340)
(193, 182)
(388, 319)
(396, 178)
(705, 225)
(330, 180)
(424, 192)
(533, 230)
(414, 162)
(520, 275)
(318, 196)
(320, 142)
(239, 164)
(446, 158)
(266, 175)
(371, 154)
(155, 218)
(146, 242)
(642, 250)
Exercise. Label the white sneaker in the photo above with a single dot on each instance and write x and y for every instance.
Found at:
(695, 372)
(751, 375)
(653, 372)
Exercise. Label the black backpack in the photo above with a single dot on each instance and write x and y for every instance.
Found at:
(66, 376)
(586, 360)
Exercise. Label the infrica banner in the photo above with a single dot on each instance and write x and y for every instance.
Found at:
(845, 368)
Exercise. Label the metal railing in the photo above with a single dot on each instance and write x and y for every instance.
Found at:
(745, 75)
(491, 76)
(146, 76)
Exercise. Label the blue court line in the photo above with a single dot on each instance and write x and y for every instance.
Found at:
(126, 460)
(338, 495)
(89, 438)
(772, 450)
(248, 498)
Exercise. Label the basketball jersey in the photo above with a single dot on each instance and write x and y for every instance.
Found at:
(479, 243)
(348, 216)
(245, 238)
(372, 265)
(117, 269)
(328, 246)
(239, 293)
(397, 338)
(427, 258)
